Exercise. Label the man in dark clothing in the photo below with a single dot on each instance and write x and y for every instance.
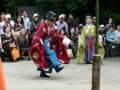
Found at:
(71, 22)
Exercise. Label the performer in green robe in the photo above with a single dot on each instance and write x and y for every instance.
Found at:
(86, 45)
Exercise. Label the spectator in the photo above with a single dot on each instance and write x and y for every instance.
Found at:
(42, 19)
(74, 41)
(94, 21)
(2, 21)
(102, 37)
(61, 23)
(26, 20)
(110, 22)
(1, 49)
(62, 32)
(102, 32)
(110, 36)
(117, 38)
(24, 44)
(34, 25)
(71, 22)
(8, 22)
(8, 43)
(2, 16)
(80, 28)
(18, 26)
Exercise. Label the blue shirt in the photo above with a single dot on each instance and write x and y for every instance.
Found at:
(110, 36)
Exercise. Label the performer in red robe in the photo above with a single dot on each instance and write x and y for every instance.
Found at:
(41, 54)
(58, 46)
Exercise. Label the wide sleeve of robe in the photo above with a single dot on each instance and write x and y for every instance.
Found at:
(37, 49)
(81, 48)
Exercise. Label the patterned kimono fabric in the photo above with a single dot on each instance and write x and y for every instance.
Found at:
(41, 54)
(58, 46)
(86, 45)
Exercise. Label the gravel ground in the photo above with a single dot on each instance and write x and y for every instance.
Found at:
(23, 76)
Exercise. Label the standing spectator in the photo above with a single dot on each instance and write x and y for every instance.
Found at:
(2, 21)
(2, 16)
(71, 22)
(34, 24)
(61, 23)
(94, 21)
(26, 20)
(80, 28)
(110, 36)
(117, 39)
(110, 22)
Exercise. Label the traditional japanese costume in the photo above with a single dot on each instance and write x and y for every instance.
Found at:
(58, 46)
(86, 45)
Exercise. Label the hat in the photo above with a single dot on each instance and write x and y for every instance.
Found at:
(88, 17)
(35, 15)
(7, 16)
(80, 25)
(51, 16)
(61, 16)
(102, 26)
(94, 17)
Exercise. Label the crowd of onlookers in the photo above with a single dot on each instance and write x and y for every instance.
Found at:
(19, 33)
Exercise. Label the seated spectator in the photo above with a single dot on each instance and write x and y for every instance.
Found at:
(18, 26)
(110, 22)
(74, 41)
(102, 32)
(61, 23)
(9, 22)
(102, 37)
(62, 32)
(110, 37)
(8, 43)
(24, 44)
(117, 39)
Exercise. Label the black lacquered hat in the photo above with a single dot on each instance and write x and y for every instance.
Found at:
(51, 16)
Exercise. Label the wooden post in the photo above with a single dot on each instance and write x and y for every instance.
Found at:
(96, 72)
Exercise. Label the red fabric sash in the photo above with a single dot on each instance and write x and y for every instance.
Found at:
(90, 42)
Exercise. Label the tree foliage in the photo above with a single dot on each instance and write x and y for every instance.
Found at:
(108, 8)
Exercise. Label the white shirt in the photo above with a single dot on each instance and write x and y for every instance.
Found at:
(117, 36)
(62, 25)
(89, 26)
(27, 22)
(1, 28)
